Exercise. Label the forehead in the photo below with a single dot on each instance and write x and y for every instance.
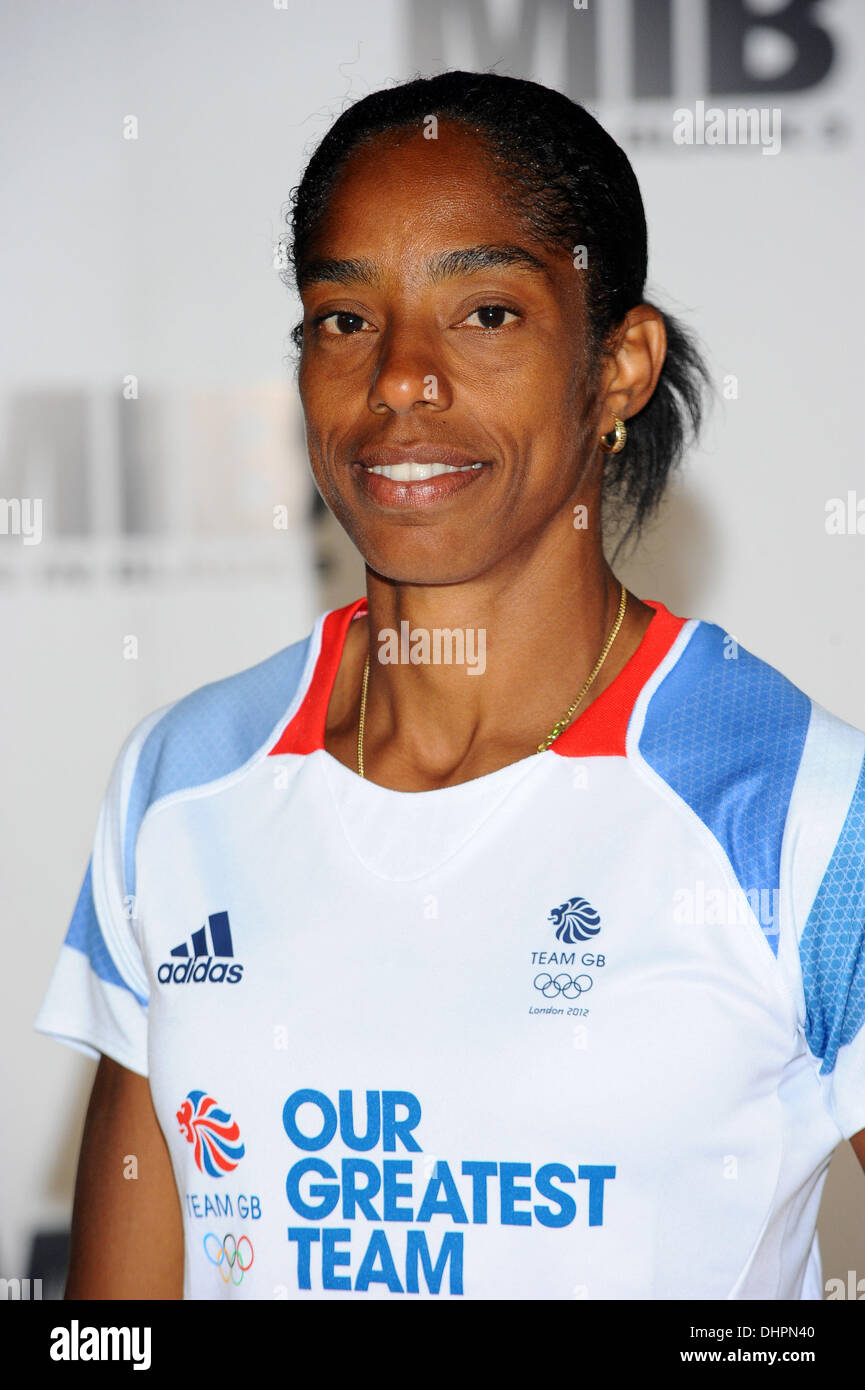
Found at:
(455, 158)
(404, 196)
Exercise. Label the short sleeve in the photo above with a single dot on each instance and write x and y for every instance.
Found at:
(832, 930)
(98, 993)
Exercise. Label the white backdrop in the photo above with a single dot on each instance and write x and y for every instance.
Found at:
(146, 395)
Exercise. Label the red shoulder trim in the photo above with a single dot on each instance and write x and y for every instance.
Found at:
(305, 732)
(601, 731)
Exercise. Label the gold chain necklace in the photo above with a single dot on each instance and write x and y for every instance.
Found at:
(556, 730)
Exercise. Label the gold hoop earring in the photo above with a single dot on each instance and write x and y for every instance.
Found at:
(621, 436)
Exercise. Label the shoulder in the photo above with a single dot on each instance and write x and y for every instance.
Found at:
(213, 730)
(752, 755)
(716, 709)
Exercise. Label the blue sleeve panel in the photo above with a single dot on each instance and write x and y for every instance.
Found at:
(726, 731)
(832, 948)
(85, 935)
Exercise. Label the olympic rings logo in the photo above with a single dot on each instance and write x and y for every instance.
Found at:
(569, 987)
(229, 1256)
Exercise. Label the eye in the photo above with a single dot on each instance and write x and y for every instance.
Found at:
(344, 323)
(491, 315)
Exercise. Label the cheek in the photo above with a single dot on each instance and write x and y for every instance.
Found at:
(542, 416)
(318, 409)
(331, 410)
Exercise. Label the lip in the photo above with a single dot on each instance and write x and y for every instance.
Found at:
(383, 455)
(390, 492)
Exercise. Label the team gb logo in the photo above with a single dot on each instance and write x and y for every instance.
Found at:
(575, 920)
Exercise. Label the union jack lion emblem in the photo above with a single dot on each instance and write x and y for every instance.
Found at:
(212, 1132)
(575, 920)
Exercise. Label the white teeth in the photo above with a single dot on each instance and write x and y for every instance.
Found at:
(413, 472)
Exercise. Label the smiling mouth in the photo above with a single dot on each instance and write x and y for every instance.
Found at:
(411, 471)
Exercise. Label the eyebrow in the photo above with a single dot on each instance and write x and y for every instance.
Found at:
(448, 265)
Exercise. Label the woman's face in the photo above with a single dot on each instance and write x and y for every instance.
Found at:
(419, 346)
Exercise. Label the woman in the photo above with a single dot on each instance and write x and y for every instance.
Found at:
(503, 938)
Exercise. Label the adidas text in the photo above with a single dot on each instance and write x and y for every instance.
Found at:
(199, 971)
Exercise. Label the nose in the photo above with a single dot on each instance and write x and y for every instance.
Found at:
(408, 373)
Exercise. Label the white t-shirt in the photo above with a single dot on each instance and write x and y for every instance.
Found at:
(589, 1026)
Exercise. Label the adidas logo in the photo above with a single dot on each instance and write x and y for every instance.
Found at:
(206, 962)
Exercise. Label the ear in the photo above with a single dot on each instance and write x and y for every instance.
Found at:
(633, 364)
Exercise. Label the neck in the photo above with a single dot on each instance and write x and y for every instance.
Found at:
(465, 678)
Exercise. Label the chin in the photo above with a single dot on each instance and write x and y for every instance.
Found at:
(421, 570)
